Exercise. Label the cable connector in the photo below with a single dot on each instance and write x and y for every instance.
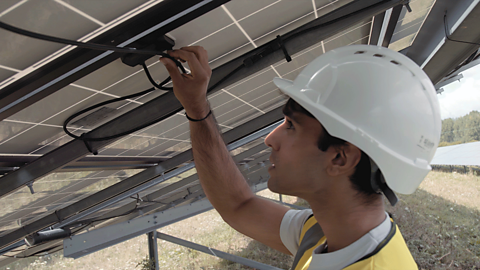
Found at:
(161, 43)
(274, 46)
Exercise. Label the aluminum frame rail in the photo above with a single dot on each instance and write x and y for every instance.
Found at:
(10, 163)
(89, 242)
(167, 105)
(432, 51)
(380, 25)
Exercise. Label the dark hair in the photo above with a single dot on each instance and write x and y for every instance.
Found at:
(361, 177)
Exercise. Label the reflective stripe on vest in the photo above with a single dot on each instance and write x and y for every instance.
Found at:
(395, 256)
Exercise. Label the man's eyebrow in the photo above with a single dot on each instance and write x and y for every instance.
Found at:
(294, 117)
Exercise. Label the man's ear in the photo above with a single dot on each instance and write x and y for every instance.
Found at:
(343, 159)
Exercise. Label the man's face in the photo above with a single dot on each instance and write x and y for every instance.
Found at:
(297, 162)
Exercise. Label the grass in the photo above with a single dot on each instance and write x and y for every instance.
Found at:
(440, 223)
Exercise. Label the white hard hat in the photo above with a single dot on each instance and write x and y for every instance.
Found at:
(380, 101)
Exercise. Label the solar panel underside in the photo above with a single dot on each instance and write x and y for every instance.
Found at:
(409, 24)
(226, 32)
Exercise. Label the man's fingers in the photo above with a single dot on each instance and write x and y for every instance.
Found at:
(192, 60)
(201, 54)
(172, 69)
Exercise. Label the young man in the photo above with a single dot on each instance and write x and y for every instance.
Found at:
(362, 121)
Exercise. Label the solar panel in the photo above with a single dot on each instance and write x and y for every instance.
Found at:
(462, 155)
(409, 23)
(228, 32)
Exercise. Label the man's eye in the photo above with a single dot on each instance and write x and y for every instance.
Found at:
(290, 125)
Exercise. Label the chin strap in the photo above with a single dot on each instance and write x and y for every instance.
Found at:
(377, 181)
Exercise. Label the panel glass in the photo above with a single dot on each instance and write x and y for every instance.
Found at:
(54, 191)
(105, 10)
(409, 24)
(5, 74)
(46, 17)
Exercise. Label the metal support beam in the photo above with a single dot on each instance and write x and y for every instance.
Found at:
(448, 81)
(152, 250)
(392, 24)
(457, 73)
(384, 25)
(432, 51)
(383, 31)
(90, 163)
(216, 252)
(86, 243)
(376, 28)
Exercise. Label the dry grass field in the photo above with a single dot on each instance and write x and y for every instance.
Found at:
(440, 222)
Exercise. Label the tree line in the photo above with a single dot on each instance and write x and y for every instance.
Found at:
(461, 130)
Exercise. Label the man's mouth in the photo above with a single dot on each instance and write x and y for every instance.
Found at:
(272, 165)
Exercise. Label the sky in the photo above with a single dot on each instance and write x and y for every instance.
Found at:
(460, 98)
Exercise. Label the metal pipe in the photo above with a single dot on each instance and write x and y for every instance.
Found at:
(216, 253)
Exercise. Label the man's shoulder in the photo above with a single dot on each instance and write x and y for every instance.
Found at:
(395, 255)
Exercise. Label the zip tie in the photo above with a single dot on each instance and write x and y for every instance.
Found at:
(282, 46)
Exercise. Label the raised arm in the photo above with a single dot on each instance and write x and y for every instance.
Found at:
(221, 180)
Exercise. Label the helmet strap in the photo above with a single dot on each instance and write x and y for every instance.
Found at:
(379, 185)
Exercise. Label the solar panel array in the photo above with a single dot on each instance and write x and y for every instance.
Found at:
(226, 32)
(466, 154)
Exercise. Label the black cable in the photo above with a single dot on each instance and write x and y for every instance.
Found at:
(159, 86)
(65, 124)
(148, 201)
(445, 24)
(121, 215)
(99, 105)
(89, 45)
(86, 45)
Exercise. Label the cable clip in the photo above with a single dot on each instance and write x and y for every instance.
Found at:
(282, 46)
(88, 145)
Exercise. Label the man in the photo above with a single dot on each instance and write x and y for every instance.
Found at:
(362, 121)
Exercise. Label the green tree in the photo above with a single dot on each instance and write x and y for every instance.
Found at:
(461, 130)
(447, 130)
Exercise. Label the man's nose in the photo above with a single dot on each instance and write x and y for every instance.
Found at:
(271, 140)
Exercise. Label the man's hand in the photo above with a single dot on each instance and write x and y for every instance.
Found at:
(190, 89)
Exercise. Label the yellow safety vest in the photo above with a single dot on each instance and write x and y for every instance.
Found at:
(392, 253)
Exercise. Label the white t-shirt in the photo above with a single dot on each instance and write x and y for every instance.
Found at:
(291, 228)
